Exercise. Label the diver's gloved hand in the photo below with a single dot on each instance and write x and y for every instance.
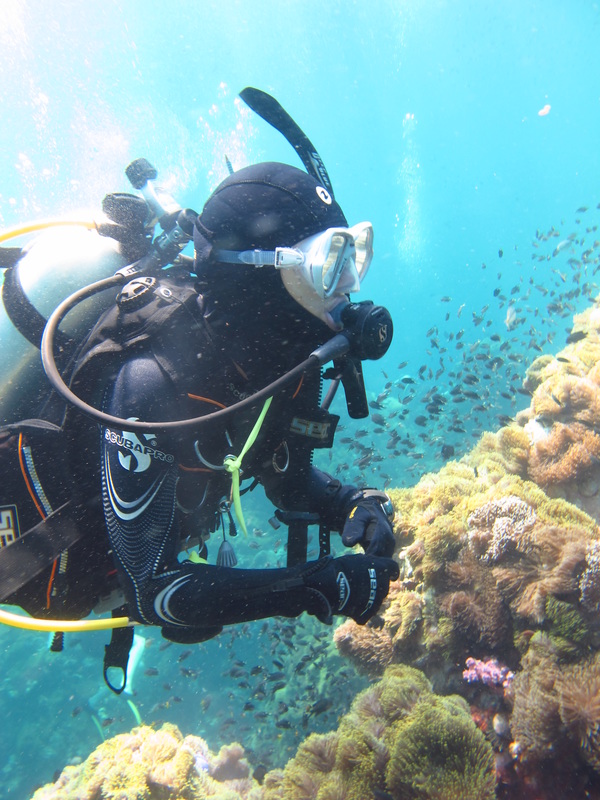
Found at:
(353, 586)
(369, 524)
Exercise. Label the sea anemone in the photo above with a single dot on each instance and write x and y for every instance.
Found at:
(578, 692)
(438, 752)
(370, 648)
(566, 454)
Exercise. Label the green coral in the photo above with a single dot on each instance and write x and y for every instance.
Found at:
(566, 621)
(439, 754)
(398, 738)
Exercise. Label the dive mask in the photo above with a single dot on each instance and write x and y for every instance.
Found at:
(318, 271)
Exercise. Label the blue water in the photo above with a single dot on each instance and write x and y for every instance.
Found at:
(426, 115)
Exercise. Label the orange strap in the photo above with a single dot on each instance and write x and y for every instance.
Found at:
(298, 388)
(205, 400)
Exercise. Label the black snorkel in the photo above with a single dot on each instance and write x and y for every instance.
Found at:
(367, 329)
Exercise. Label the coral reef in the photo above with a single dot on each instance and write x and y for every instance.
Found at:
(149, 764)
(487, 557)
(399, 740)
(488, 671)
(561, 421)
(398, 737)
(500, 562)
(496, 526)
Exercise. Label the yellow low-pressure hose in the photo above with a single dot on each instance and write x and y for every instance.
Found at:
(65, 625)
(23, 230)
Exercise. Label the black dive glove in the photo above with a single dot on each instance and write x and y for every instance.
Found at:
(353, 586)
(369, 524)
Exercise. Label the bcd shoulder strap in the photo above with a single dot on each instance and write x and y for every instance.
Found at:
(164, 321)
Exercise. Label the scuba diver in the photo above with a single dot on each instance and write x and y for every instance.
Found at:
(205, 375)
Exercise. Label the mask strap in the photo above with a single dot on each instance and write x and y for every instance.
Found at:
(280, 258)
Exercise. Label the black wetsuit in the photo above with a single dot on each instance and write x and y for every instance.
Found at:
(158, 490)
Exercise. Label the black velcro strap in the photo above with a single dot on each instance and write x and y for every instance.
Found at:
(324, 540)
(9, 256)
(23, 314)
(116, 654)
(36, 549)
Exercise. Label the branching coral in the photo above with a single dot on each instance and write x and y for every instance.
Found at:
(496, 526)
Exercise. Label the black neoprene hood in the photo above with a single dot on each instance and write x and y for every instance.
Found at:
(264, 206)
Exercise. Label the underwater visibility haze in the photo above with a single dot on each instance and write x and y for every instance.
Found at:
(467, 133)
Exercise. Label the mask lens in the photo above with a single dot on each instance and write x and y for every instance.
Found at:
(363, 237)
(341, 251)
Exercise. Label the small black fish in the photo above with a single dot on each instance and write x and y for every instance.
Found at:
(447, 451)
(320, 707)
(576, 336)
(259, 773)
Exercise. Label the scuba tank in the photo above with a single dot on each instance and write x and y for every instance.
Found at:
(64, 257)
(54, 264)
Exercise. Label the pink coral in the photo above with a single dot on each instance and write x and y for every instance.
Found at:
(495, 526)
(489, 672)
